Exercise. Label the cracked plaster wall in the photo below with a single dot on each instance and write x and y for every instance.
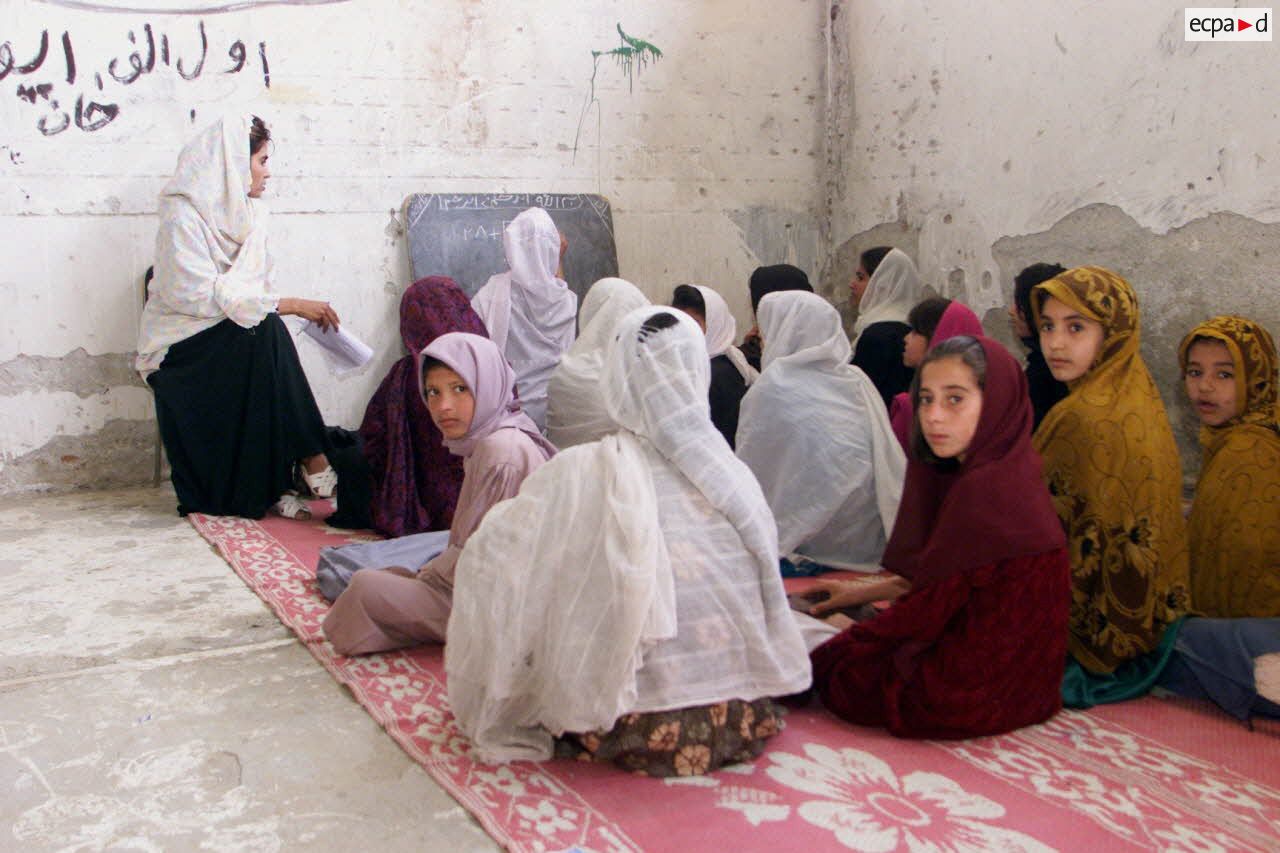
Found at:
(982, 138)
(712, 164)
(975, 138)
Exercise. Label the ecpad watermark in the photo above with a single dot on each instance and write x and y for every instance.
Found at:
(1227, 24)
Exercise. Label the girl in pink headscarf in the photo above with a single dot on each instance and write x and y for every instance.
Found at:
(469, 390)
(932, 322)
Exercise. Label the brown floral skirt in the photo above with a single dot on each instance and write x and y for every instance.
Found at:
(684, 742)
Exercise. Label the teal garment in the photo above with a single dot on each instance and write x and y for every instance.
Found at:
(1084, 689)
(802, 567)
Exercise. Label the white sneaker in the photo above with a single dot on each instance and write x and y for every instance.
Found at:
(291, 506)
(322, 484)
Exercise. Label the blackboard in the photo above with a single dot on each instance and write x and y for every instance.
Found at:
(460, 235)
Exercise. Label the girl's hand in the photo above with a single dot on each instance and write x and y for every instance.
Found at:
(846, 594)
(838, 595)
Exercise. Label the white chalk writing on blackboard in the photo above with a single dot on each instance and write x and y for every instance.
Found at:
(481, 232)
(460, 235)
(483, 201)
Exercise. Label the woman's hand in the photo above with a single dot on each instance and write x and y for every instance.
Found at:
(320, 313)
(845, 594)
(564, 247)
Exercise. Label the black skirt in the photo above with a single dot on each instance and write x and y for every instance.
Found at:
(235, 413)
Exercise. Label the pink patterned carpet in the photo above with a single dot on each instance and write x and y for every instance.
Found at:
(1148, 775)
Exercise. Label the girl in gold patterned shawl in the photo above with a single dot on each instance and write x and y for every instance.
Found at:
(1229, 366)
(1116, 479)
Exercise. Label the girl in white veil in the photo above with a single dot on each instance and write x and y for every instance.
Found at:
(664, 604)
(814, 432)
(575, 406)
(887, 286)
(722, 332)
(731, 375)
(529, 310)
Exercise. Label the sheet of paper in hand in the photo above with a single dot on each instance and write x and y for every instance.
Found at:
(344, 350)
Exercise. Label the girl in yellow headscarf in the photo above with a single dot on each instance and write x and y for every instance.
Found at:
(1229, 366)
(1116, 478)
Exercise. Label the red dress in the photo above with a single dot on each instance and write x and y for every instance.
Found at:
(979, 644)
(979, 652)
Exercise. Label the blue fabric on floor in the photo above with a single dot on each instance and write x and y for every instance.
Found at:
(1213, 659)
(337, 565)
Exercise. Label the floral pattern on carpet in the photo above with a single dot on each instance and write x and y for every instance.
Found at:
(1148, 775)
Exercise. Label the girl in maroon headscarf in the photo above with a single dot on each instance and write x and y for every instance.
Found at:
(977, 641)
(415, 478)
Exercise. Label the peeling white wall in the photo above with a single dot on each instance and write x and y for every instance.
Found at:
(371, 101)
(984, 134)
(975, 121)
(990, 135)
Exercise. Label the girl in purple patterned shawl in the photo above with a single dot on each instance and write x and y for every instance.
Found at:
(415, 478)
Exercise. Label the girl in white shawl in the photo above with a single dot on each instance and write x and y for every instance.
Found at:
(816, 436)
(630, 593)
(234, 406)
(575, 405)
(731, 375)
(528, 310)
(886, 287)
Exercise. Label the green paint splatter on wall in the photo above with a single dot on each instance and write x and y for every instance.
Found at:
(631, 56)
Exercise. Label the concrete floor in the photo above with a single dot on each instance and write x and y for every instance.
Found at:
(149, 701)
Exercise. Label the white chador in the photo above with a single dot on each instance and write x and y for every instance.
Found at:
(632, 574)
(575, 404)
(814, 431)
(528, 311)
(722, 331)
(211, 249)
(893, 291)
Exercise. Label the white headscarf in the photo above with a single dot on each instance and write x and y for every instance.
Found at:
(814, 431)
(722, 331)
(660, 392)
(529, 313)
(211, 260)
(609, 549)
(575, 407)
(893, 291)
(213, 177)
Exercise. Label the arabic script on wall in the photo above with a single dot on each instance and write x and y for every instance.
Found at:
(62, 95)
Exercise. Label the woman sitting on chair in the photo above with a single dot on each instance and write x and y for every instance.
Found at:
(234, 406)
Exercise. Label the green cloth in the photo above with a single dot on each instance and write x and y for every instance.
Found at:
(1133, 678)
